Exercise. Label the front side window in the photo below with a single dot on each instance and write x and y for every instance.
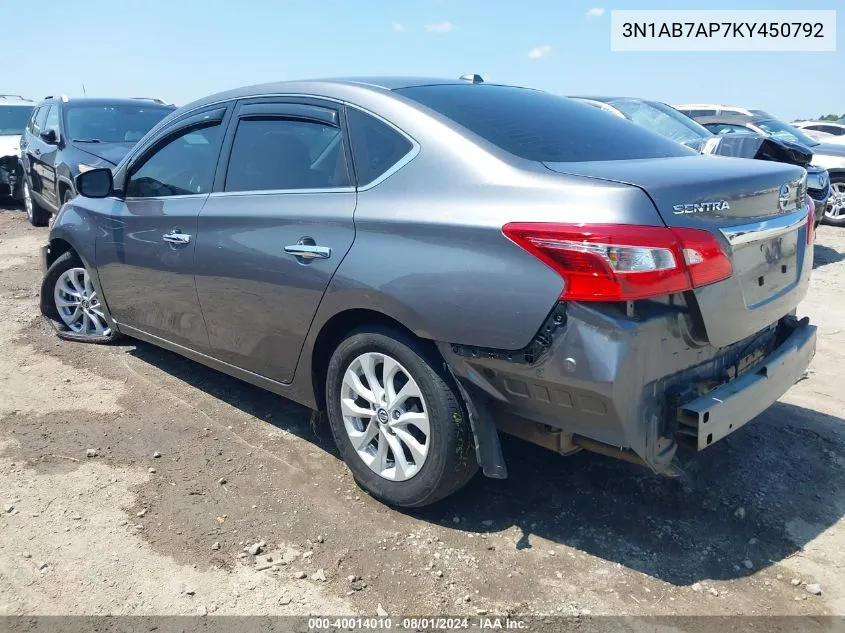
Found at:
(52, 121)
(112, 123)
(539, 126)
(183, 166)
(279, 153)
(376, 147)
(40, 118)
(13, 119)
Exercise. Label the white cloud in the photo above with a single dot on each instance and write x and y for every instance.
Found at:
(397, 26)
(595, 12)
(540, 51)
(440, 27)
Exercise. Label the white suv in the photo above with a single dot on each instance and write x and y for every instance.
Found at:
(693, 110)
(14, 113)
(825, 131)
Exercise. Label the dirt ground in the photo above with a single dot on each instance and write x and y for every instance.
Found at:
(754, 527)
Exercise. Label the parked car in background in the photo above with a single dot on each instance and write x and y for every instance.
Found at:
(14, 113)
(65, 137)
(828, 156)
(657, 117)
(426, 259)
(665, 120)
(824, 131)
(712, 109)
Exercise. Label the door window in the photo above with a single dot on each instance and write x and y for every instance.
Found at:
(52, 120)
(279, 154)
(183, 166)
(376, 146)
(39, 118)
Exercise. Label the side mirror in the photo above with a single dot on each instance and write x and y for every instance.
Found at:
(49, 137)
(95, 183)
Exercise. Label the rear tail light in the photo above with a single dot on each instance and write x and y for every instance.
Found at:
(620, 262)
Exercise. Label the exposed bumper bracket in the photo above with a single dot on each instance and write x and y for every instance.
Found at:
(726, 408)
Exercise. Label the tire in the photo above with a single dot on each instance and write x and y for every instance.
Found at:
(93, 325)
(449, 461)
(836, 216)
(37, 215)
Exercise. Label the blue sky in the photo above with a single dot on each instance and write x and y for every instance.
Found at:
(184, 49)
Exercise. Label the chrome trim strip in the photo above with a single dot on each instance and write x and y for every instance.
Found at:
(396, 167)
(162, 198)
(765, 229)
(270, 192)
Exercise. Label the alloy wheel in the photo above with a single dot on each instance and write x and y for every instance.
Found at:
(837, 208)
(385, 416)
(27, 201)
(78, 304)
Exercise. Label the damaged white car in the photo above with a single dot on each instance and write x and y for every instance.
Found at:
(14, 114)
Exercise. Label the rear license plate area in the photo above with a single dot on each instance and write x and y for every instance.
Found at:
(768, 268)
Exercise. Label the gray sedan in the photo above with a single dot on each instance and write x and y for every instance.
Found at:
(433, 261)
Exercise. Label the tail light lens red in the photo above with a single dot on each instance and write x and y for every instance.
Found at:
(620, 262)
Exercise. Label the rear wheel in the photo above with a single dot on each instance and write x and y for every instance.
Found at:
(397, 418)
(72, 303)
(835, 215)
(36, 215)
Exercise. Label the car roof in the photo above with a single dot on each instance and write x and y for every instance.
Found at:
(102, 101)
(840, 123)
(736, 119)
(337, 87)
(15, 100)
(605, 99)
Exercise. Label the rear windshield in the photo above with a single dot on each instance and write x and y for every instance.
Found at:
(112, 123)
(13, 119)
(540, 126)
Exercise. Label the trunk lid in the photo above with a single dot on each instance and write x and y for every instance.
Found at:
(755, 208)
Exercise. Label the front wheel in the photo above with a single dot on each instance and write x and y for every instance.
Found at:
(37, 215)
(397, 418)
(835, 215)
(72, 304)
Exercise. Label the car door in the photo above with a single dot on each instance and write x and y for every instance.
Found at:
(33, 149)
(145, 256)
(49, 141)
(274, 231)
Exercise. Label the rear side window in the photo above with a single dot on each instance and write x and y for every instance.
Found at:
(376, 147)
(279, 154)
(543, 127)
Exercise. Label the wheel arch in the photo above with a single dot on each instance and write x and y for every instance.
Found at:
(64, 185)
(335, 329)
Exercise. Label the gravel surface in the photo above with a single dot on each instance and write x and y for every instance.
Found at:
(134, 481)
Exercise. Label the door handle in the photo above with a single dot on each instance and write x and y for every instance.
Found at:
(175, 237)
(36, 151)
(309, 251)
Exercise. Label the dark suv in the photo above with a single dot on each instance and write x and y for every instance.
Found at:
(65, 137)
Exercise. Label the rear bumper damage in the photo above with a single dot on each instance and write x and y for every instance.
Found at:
(635, 386)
